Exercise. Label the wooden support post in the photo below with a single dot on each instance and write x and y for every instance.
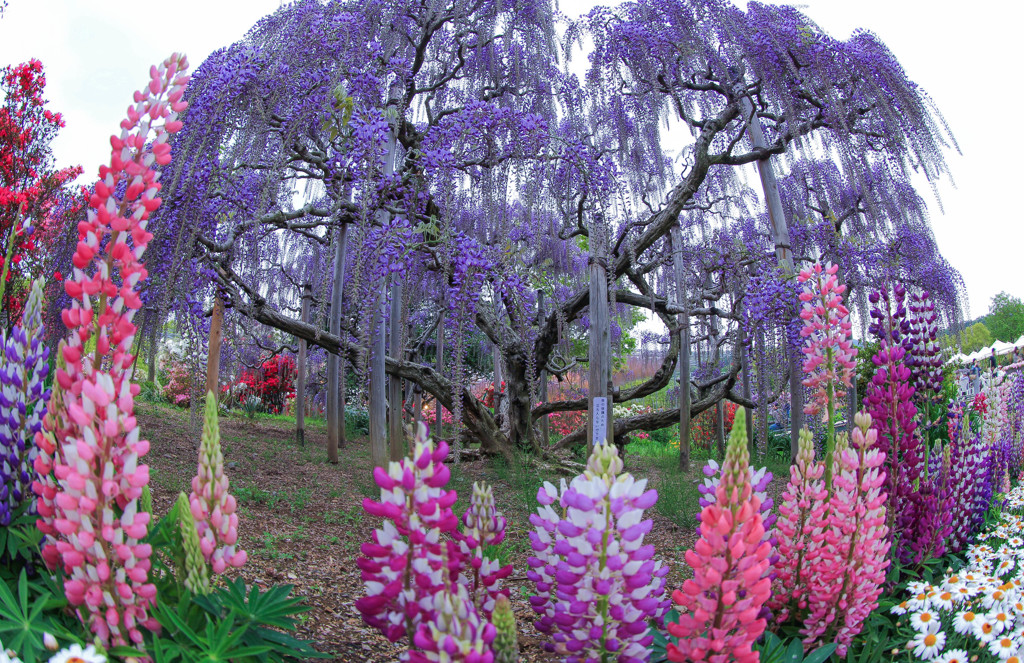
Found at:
(154, 322)
(396, 431)
(438, 416)
(784, 254)
(335, 381)
(542, 377)
(378, 345)
(600, 350)
(684, 348)
(300, 381)
(213, 355)
(378, 411)
(748, 413)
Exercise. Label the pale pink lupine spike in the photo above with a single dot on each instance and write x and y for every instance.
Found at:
(91, 423)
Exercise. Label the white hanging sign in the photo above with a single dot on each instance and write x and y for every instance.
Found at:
(600, 426)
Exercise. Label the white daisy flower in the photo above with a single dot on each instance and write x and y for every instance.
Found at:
(943, 600)
(899, 609)
(75, 654)
(1002, 620)
(925, 621)
(964, 622)
(8, 656)
(953, 656)
(928, 645)
(1003, 646)
(984, 630)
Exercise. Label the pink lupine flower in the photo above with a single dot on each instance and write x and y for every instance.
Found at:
(597, 583)
(485, 526)
(212, 507)
(846, 577)
(799, 530)
(830, 354)
(90, 476)
(720, 606)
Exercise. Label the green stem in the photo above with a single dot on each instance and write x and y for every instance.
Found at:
(7, 257)
(830, 441)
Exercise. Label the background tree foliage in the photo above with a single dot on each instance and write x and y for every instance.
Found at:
(1006, 317)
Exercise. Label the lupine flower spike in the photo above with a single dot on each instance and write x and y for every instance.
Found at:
(597, 583)
(506, 638)
(799, 529)
(485, 526)
(197, 576)
(846, 576)
(406, 563)
(212, 507)
(22, 403)
(90, 475)
(720, 606)
(830, 354)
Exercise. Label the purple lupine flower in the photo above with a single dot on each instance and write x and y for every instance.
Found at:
(22, 403)
(597, 583)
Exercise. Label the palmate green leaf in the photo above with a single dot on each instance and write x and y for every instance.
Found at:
(24, 619)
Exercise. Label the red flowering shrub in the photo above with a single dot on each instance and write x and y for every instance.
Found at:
(702, 428)
(273, 382)
(30, 185)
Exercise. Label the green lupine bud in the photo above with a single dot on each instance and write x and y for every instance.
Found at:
(506, 643)
(197, 576)
(146, 501)
(605, 461)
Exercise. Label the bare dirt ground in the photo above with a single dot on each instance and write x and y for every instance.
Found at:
(302, 522)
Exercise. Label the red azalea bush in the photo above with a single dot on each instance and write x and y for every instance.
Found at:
(703, 426)
(273, 382)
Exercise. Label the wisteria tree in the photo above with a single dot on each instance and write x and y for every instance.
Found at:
(434, 167)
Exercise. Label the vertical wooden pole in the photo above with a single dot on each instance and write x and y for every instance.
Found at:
(213, 356)
(396, 432)
(684, 349)
(377, 406)
(600, 349)
(300, 381)
(438, 408)
(784, 254)
(154, 322)
(748, 413)
(378, 397)
(335, 382)
(542, 376)
(762, 389)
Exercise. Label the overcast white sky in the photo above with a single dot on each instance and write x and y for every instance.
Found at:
(96, 53)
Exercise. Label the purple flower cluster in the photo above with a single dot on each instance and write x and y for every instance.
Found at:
(597, 583)
(913, 513)
(23, 368)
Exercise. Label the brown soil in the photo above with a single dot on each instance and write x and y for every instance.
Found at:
(302, 522)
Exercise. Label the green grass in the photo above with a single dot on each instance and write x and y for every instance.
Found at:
(678, 496)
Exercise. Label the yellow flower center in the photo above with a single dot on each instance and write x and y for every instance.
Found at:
(930, 640)
(926, 617)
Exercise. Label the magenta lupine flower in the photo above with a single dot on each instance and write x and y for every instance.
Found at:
(800, 530)
(414, 555)
(827, 330)
(212, 507)
(88, 506)
(720, 606)
(597, 583)
(485, 526)
(22, 403)
(456, 634)
(846, 576)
